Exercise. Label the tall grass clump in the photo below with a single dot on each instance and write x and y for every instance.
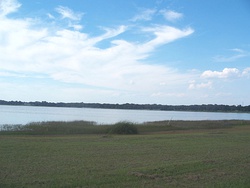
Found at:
(123, 127)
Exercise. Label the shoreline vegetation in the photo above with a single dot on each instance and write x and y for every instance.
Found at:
(161, 154)
(131, 106)
(123, 127)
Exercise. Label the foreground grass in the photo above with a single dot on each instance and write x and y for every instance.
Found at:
(181, 158)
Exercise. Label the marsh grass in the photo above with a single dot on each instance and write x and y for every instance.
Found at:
(124, 127)
(163, 126)
(55, 128)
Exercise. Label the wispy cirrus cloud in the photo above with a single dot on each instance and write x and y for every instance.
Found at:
(146, 15)
(66, 12)
(72, 56)
(237, 54)
(8, 6)
(166, 34)
(68, 55)
(171, 15)
(73, 18)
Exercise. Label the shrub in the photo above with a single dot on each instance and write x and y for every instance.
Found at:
(123, 127)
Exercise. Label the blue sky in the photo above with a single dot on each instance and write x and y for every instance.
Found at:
(114, 51)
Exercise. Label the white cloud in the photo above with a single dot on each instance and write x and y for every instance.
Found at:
(8, 6)
(144, 15)
(110, 33)
(68, 13)
(238, 54)
(70, 55)
(246, 72)
(171, 15)
(77, 27)
(165, 34)
(225, 73)
(194, 85)
(50, 16)
(148, 14)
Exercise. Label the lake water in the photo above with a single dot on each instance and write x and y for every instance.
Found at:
(27, 114)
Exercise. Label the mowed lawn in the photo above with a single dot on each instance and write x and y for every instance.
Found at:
(199, 158)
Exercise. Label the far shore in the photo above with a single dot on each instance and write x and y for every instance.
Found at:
(132, 106)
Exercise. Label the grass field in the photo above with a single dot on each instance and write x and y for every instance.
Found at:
(203, 155)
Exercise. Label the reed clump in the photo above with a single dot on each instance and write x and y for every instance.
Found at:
(123, 127)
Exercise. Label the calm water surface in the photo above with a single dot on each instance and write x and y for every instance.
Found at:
(27, 114)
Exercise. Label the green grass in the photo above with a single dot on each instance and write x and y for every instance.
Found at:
(175, 158)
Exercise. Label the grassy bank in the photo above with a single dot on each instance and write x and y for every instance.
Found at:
(183, 157)
(85, 127)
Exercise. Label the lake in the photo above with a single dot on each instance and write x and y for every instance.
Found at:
(27, 114)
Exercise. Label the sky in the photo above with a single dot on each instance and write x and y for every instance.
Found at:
(171, 52)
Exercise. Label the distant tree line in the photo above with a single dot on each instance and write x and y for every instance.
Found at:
(197, 108)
